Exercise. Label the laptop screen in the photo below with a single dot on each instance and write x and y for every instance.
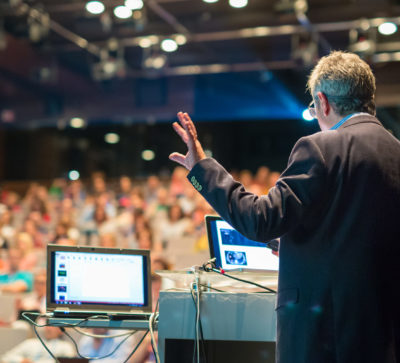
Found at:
(234, 251)
(98, 278)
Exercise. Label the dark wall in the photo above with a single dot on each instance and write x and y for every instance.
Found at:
(48, 152)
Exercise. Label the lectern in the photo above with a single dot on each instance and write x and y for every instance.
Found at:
(237, 327)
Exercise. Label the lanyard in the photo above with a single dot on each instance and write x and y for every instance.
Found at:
(343, 120)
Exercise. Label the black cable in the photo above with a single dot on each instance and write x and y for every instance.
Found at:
(201, 327)
(62, 326)
(151, 340)
(137, 346)
(223, 273)
(96, 358)
(44, 345)
(212, 288)
(195, 320)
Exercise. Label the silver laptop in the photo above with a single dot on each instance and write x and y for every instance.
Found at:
(87, 281)
(233, 251)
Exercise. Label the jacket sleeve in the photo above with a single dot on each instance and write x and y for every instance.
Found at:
(262, 218)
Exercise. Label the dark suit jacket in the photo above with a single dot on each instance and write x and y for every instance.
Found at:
(336, 208)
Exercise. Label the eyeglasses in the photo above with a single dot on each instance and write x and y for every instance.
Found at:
(311, 109)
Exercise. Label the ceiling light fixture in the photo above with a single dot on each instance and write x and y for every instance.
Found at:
(77, 122)
(122, 12)
(134, 4)
(180, 39)
(169, 45)
(95, 7)
(111, 138)
(145, 43)
(387, 28)
(148, 155)
(210, 1)
(238, 3)
(73, 175)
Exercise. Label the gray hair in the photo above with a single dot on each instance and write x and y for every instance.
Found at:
(346, 80)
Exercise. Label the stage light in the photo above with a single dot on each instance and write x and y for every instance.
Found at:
(77, 122)
(210, 1)
(238, 3)
(134, 4)
(111, 138)
(122, 12)
(169, 45)
(180, 39)
(95, 7)
(387, 28)
(145, 43)
(73, 175)
(148, 155)
(307, 116)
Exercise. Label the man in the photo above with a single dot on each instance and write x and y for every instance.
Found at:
(15, 281)
(336, 209)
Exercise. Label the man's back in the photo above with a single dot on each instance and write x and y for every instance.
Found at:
(339, 263)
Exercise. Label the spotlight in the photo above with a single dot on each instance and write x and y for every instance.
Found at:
(387, 28)
(238, 3)
(169, 45)
(77, 122)
(307, 116)
(73, 175)
(145, 43)
(95, 7)
(122, 12)
(111, 138)
(148, 155)
(180, 39)
(134, 4)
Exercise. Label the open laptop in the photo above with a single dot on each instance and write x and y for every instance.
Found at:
(87, 281)
(233, 251)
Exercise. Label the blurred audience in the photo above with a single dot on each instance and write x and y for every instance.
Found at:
(99, 346)
(156, 214)
(32, 351)
(14, 280)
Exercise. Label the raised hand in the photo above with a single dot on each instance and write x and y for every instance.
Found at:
(187, 131)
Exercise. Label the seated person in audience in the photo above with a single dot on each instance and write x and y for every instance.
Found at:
(37, 300)
(176, 226)
(29, 258)
(14, 280)
(32, 350)
(108, 240)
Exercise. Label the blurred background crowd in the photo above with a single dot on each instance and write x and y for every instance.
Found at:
(164, 215)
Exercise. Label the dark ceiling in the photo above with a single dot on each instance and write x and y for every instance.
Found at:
(58, 61)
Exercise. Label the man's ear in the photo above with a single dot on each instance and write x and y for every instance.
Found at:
(324, 103)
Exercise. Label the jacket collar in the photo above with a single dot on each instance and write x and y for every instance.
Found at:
(359, 119)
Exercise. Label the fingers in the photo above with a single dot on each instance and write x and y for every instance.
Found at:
(181, 132)
(179, 158)
(190, 125)
(189, 128)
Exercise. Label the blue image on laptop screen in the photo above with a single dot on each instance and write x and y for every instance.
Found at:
(233, 251)
(99, 278)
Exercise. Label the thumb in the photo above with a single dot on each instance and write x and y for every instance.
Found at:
(178, 158)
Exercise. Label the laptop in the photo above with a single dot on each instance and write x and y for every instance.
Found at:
(233, 251)
(87, 281)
